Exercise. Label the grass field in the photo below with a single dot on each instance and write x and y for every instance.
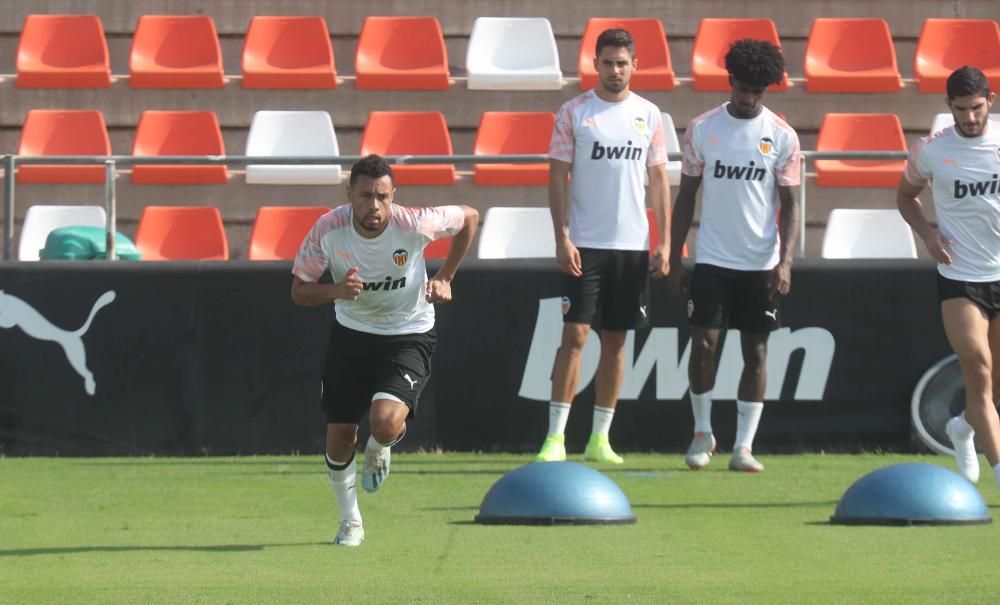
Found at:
(257, 530)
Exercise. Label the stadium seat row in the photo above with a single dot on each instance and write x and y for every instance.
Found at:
(197, 232)
(408, 53)
(49, 132)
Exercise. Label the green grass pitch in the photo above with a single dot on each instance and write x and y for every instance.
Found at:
(257, 530)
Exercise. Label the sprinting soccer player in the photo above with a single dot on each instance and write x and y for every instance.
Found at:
(961, 163)
(610, 139)
(379, 356)
(747, 158)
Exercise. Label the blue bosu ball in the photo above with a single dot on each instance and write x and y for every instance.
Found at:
(554, 493)
(911, 494)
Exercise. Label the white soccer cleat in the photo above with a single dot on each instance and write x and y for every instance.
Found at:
(744, 461)
(350, 534)
(700, 451)
(965, 451)
(375, 470)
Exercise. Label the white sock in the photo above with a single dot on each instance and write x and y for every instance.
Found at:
(961, 427)
(602, 420)
(996, 472)
(375, 446)
(747, 419)
(701, 405)
(344, 489)
(558, 415)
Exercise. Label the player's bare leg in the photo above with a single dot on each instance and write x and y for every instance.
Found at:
(608, 383)
(750, 402)
(701, 378)
(973, 339)
(565, 377)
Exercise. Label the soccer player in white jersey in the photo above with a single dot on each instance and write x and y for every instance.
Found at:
(961, 163)
(611, 140)
(379, 356)
(747, 159)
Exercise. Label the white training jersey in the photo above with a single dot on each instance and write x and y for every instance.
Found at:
(391, 266)
(964, 176)
(742, 163)
(610, 145)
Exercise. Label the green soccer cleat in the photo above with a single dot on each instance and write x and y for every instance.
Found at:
(599, 450)
(553, 449)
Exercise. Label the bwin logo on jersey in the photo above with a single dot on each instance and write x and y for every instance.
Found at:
(976, 188)
(737, 173)
(387, 284)
(624, 152)
(400, 257)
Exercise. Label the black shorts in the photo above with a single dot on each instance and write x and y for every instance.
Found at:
(985, 294)
(359, 364)
(616, 282)
(721, 298)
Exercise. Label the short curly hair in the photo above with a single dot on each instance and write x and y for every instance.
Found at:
(373, 166)
(755, 63)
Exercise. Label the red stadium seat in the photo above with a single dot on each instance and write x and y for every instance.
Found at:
(63, 132)
(654, 233)
(947, 44)
(860, 132)
(654, 71)
(410, 133)
(851, 55)
(438, 249)
(174, 51)
(278, 231)
(178, 133)
(511, 133)
(401, 53)
(63, 51)
(288, 52)
(712, 42)
(181, 233)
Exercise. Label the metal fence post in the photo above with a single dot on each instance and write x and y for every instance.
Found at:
(802, 207)
(111, 208)
(8, 207)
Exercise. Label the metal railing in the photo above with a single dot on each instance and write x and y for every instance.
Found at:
(113, 162)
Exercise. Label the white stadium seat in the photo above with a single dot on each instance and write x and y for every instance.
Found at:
(287, 133)
(41, 220)
(864, 233)
(513, 54)
(517, 233)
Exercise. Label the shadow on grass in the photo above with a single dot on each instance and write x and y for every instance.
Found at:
(73, 550)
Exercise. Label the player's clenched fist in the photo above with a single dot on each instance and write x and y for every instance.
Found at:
(351, 286)
(438, 291)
